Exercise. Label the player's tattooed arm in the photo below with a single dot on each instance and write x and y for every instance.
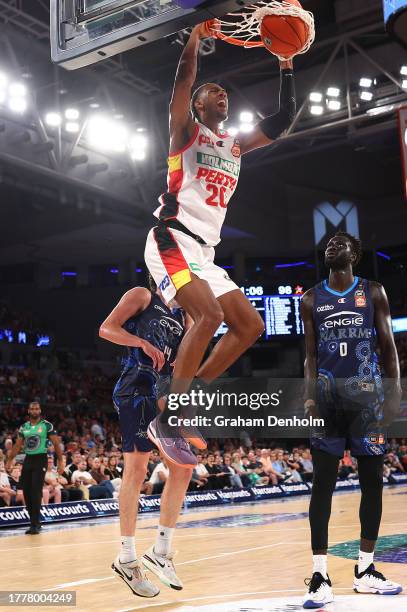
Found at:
(388, 351)
(182, 125)
(310, 364)
(132, 303)
(272, 127)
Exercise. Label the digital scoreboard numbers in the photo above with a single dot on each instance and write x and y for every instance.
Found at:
(280, 312)
(282, 315)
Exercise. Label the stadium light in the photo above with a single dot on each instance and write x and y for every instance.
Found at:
(333, 92)
(107, 134)
(404, 83)
(17, 90)
(403, 70)
(315, 96)
(246, 117)
(72, 114)
(334, 105)
(53, 119)
(246, 128)
(365, 82)
(17, 101)
(233, 131)
(367, 96)
(72, 127)
(316, 109)
(137, 147)
(17, 105)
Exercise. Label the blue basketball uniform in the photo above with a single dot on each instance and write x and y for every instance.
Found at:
(349, 387)
(135, 393)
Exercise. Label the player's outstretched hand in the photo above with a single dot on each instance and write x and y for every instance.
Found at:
(208, 29)
(155, 354)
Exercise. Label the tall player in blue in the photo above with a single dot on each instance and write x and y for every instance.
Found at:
(152, 333)
(343, 318)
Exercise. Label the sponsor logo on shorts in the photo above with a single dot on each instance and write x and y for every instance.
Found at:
(325, 307)
(194, 267)
(164, 283)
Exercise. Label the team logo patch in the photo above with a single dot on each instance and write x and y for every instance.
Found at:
(236, 150)
(376, 439)
(360, 299)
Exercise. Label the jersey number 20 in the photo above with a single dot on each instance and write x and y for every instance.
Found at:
(218, 196)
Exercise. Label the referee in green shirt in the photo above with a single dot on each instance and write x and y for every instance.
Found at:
(32, 440)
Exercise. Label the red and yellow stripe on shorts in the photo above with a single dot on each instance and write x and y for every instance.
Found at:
(172, 257)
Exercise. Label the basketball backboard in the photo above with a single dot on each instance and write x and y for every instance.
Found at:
(84, 32)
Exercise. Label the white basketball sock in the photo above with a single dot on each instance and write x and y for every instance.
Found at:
(365, 559)
(320, 564)
(128, 549)
(163, 540)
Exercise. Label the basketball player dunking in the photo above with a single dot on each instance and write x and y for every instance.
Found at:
(343, 317)
(204, 167)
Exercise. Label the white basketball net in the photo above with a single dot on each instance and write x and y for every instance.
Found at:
(244, 27)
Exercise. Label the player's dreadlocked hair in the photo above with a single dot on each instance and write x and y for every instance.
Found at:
(151, 283)
(356, 245)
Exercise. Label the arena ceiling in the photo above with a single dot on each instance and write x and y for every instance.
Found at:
(52, 217)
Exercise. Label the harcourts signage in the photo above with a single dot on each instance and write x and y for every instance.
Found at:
(18, 515)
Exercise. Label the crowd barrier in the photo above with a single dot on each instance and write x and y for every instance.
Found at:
(18, 515)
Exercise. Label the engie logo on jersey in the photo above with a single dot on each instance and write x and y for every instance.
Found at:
(343, 319)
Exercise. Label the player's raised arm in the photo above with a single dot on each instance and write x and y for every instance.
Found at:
(388, 351)
(270, 128)
(310, 364)
(182, 125)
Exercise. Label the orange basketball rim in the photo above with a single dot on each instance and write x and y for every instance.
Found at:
(243, 28)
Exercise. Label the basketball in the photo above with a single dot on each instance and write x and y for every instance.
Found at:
(284, 35)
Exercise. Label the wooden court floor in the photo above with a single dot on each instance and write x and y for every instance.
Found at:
(257, 552)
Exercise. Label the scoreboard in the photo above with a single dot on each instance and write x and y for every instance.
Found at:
(280, 311)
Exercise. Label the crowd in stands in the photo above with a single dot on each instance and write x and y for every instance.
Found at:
(92, 472)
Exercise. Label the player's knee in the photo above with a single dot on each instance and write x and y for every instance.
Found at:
(181, 474)
(252, 329)
(211, 320)
(134, 474)
(257, 327)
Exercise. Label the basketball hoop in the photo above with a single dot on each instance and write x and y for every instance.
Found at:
(243, 28)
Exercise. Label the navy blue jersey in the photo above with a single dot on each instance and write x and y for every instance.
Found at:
(345, 334)
(164, 329)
